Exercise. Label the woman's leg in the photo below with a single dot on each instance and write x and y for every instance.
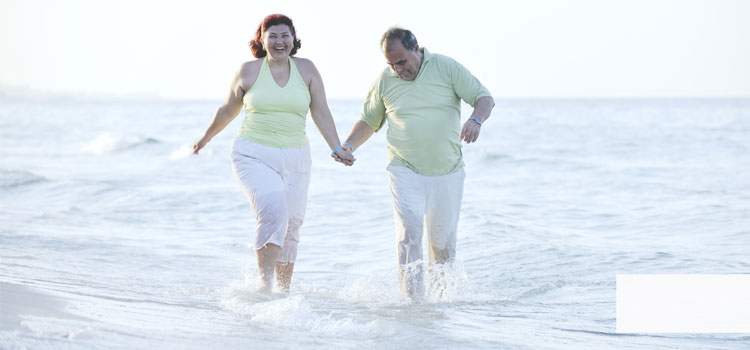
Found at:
(284, 272)
(267, 256)
(297, 183)
(265, 190)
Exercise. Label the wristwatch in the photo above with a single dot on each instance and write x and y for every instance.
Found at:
(476, 119)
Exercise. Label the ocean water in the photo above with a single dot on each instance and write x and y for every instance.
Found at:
(108, 219)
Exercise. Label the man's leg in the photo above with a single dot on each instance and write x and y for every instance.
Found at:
(443, 209)
(409, 205)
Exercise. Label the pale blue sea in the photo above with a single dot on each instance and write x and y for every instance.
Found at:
(126, 241)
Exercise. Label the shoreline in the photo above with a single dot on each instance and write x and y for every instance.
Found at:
(18, 300)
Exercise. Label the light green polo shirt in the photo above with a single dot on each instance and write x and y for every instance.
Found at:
(424, 115)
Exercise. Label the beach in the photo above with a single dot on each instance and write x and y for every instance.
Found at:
(115, 236)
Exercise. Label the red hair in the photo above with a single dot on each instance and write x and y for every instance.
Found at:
(256, 45)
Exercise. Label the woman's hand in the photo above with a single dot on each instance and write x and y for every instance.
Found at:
(199, 145)
(344, 155)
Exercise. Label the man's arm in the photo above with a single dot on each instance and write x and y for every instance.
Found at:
(482, 109)
(360, 133)
(373, 113)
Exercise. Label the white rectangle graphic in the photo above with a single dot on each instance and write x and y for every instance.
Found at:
(683, 303)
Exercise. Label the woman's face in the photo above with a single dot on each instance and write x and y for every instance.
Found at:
(278, 41)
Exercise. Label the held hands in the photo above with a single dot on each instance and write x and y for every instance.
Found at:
(344, 154)
(470, 131)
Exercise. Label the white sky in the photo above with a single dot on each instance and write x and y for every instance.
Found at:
(531, 48)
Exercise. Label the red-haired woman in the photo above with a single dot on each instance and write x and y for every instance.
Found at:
(271, 154)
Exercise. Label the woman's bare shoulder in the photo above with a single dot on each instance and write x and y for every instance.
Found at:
(306, 69)
(303, 63)
(248, 73)
(251, 67)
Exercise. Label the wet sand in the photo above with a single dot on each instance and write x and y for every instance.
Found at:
(18, 301)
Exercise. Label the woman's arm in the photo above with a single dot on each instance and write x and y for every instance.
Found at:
(321, 114)
(226, 112)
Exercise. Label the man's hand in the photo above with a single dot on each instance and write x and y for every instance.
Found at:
(470, 131)
(344, 155)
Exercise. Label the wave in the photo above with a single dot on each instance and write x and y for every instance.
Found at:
(539, 290)
(108, 143)
(17, 178)
(293, 311)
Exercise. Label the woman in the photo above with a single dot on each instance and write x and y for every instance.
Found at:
(271, 154)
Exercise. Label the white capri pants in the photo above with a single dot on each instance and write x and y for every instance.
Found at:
(431, 201)
(275, 181)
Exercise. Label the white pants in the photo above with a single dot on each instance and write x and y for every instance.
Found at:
(431, 201)
(275, 181)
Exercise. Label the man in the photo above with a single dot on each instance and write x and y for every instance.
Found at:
(420, 97)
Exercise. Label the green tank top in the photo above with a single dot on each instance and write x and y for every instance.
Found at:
(274, 115)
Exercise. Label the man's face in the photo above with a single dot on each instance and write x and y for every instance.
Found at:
(403, 62)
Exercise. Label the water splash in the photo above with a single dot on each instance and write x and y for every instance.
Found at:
(375, 290)
(186, 151)
(293, 312)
